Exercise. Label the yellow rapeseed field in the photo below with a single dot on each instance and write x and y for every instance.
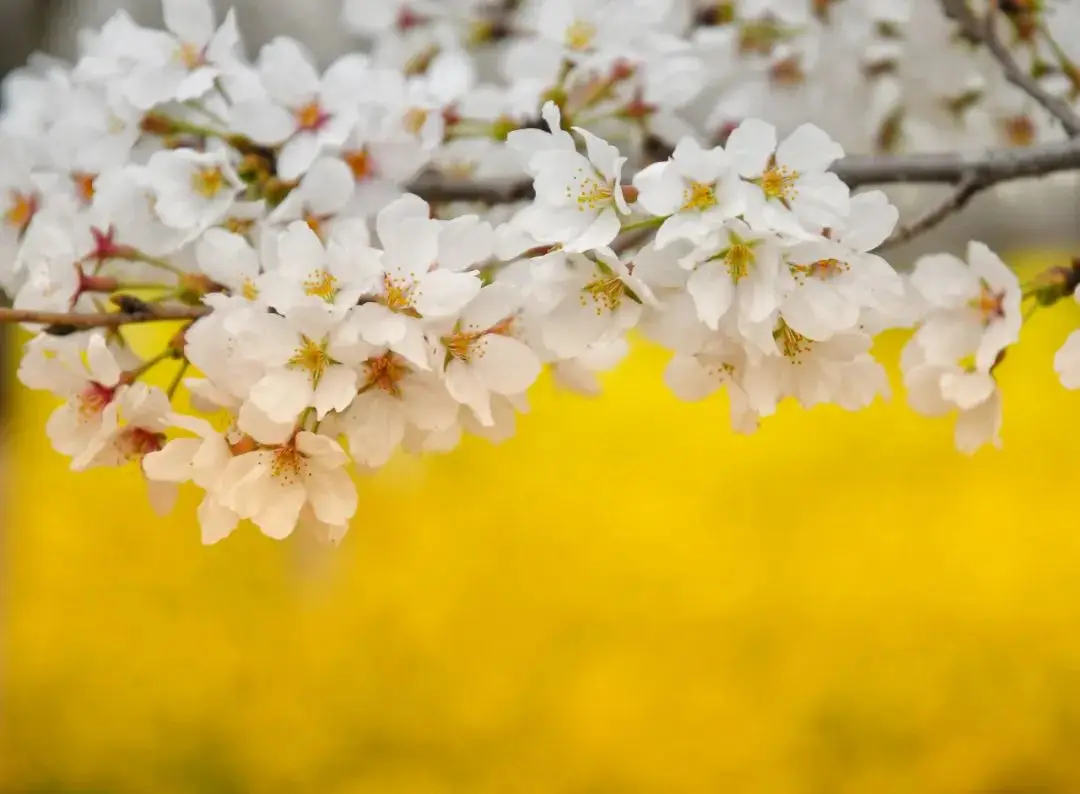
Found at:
(624, 598)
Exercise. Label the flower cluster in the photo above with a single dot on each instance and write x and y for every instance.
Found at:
(335, 316)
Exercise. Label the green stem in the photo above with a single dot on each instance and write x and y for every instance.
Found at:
(179, 376)
(195, 129)
(645, 224)
(149, 364)
(154, 261)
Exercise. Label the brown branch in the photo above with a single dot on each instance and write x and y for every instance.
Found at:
(956, 201)
(985, 31)
(77, 321)
(986, 169)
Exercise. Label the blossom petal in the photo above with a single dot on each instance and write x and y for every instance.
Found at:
(333, 496)
(191, 20)
(262, 121)
(750, 146)
(713, 292)
(808, 149)
(443, 293)
(505, 365)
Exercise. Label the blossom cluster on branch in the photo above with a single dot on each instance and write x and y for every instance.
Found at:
(682, 161)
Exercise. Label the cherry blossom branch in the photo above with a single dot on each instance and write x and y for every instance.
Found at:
(78, 321)
(986, 169)
(953, 203)
(984, 31)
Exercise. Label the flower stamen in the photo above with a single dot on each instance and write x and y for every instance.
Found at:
(699, 196)
(321, 283)
(208, 182)
(385, 372)
(312, 357)
(580, 35)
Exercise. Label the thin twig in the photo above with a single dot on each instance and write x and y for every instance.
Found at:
(988, 168)
(953, 203)
(83, 321)
(985, 31)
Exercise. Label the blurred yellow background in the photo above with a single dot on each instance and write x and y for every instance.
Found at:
(624, 598)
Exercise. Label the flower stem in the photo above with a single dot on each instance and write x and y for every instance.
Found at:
(154, 261)
(646, 224)
(179, 376)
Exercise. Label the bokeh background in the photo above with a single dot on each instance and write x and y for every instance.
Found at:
(624, 598)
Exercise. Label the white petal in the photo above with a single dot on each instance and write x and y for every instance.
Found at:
(689, 380)
(660, 189)
(298, 154)
(278, 516)
(750, 146)
(333, 496)
(413, 248)
(263, 122)
(216, 521)
(713, 291)
(944, 280)
(191, 20)
(1067, 362)
(505, 365)
(393, 215)
(281, 395)
(162, 496)
(967, 389)
(104, 368)
(442, 293)
(330, 185)
(172, 463)
(979, 426)
(809, 148)
(465, 242)
(464, 385)
(323, 450)
(287, 71)
(598, 235)
(873, 218)
(336, 390)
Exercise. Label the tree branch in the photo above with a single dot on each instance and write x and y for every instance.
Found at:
(79, 321)
(985, 168)
(955, 201)
(985, 31)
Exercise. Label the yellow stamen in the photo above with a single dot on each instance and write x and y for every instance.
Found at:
(311, 356)
(606, 293)
(239, 225)
(822, 268)
(792, 343)
(397, 294)
(414, 120)
(787, 72)
(315, 223)
(84, 185)
(208, 182)
(288, 465)
(580, 35)
(739, 258)
(385, 372)
(249, 290)
(359, 162)
(321, 284)
(1019, 130)
(990, 305)
(593, 193)
(310, 116)
(699, 196)
(21, 211)
(190, 56)
(778, 182)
